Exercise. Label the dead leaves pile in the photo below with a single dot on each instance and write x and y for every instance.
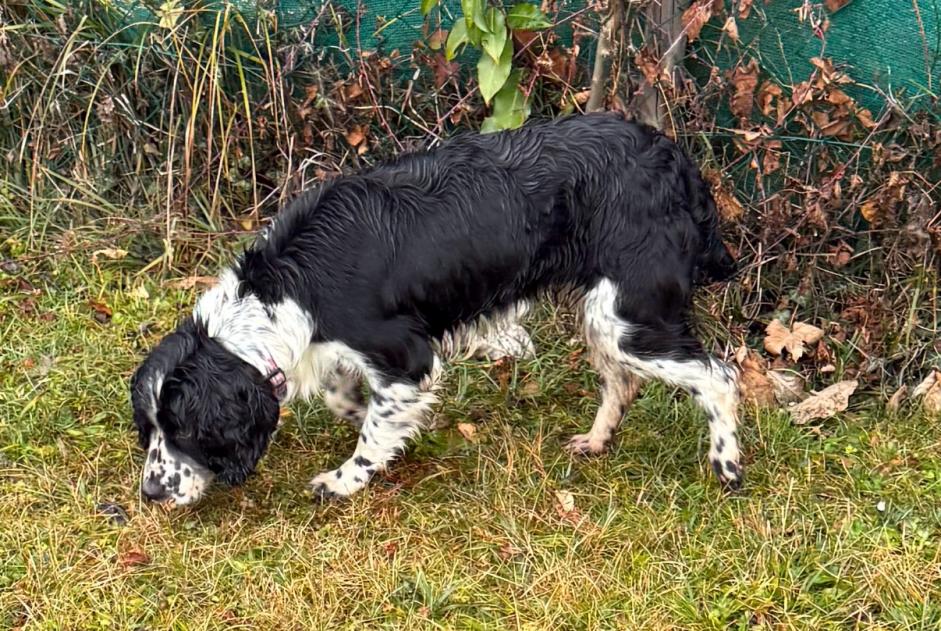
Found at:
(764, 384)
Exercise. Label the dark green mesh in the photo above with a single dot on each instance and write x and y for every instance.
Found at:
(884, 41)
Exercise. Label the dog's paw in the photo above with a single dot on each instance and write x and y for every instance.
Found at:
(586, 445)
(334, 484)
(729, 472)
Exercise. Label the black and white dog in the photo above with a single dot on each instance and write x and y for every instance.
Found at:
(373, 277)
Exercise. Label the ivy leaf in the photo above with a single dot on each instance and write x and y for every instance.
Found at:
(495, 40)
(491, 74)
(527, 17)
(474, 13)
(456, 38)
(510, 107)
(427, 6)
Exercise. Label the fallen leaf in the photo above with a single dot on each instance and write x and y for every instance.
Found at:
(102, 312)
(870, 211)
(467, 430)
(787, 385)
(565, 501)
(133, 557)
(929, 391)
(756, 388)
(248, 224)
(115, 254)
(895, 401)
(744, 8)
(825, 403)
(192, 281)
(355, 135)
(354, 91)
(744, 79)
(729, 207)
(778, 338)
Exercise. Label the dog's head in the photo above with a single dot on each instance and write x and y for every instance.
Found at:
(202, 414)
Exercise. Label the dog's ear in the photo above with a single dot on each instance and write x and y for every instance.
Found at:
(147, 380)
(238, 417)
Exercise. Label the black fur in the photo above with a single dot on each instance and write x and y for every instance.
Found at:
(213, 407)
(391, 258)
(394, 256)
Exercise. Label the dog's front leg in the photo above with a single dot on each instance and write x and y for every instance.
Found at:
(396, 412)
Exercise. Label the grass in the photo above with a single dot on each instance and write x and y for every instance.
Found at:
(838, 526)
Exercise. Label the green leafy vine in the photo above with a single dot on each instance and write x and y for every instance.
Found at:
(490, 30)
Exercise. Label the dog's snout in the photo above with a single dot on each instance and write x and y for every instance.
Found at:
(153, 490)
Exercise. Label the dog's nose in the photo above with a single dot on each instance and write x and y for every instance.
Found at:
(152, 490)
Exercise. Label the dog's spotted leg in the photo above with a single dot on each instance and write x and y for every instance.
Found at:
(343, 396)
(619, 388)
(396, 412)
(677, 358)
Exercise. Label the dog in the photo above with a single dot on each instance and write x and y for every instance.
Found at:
(371, 278)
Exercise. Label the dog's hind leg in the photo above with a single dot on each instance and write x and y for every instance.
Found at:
(670, 353)
(344, 397)
(619, 388)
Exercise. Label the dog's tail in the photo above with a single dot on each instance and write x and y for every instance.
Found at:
(715, 262)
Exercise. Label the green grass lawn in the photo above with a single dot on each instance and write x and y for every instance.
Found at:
(837, 527)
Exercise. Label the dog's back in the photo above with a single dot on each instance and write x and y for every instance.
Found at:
(487, 220)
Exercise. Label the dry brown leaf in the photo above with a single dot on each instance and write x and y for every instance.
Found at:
(788, 386)
(825, 403)
(744, 8)
(648, 64)
(835, 5)
(895, 401)
(696, 16)
(870, 211)
(802, 93)
(929, 391)
(767, 94)
(731, 28)
(355, 135)
(192, 281)
(756, 387)
(467, 430)
(729, 207)
(102, 312)
(865, 117)
(133, 557)
(778, 337)
(744, 79)
(565, 501)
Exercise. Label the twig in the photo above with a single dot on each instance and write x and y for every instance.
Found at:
(599, 74)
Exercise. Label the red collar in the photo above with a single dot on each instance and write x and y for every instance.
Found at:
(277, 380)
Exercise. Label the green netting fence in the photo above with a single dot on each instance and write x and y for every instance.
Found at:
(893, 45)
